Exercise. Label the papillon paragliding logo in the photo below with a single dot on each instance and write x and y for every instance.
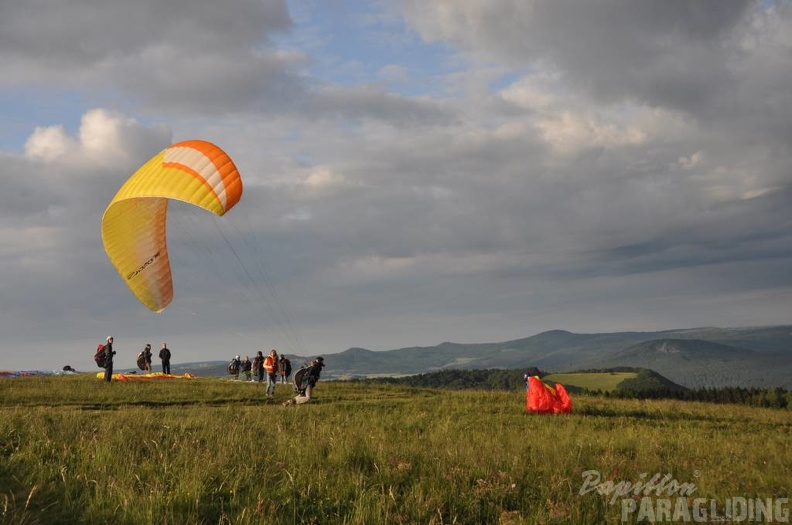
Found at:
(134, 223)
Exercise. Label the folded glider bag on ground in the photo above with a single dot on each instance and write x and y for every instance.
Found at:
(544, 399)
(144, 377)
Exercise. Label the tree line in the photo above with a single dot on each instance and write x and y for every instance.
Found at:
(456, 379)
(751, 396)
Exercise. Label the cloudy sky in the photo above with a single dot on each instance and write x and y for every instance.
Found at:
(415, 172)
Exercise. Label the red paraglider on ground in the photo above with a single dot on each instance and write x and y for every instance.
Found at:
(544, 399)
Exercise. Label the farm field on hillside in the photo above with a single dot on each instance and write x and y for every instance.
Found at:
(592, 380)
(77, 450)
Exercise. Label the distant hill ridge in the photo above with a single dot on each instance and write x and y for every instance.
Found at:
(691, 357)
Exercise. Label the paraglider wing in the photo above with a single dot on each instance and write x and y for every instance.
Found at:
(134, 223)
(564, 401)
(544, 399)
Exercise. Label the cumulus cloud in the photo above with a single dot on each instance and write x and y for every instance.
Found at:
(718, 63)
(55, 194)
(49, 143)
(105, 138)
(323, 179)
(63, 173)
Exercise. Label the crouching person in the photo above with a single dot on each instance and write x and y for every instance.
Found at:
(307, 383)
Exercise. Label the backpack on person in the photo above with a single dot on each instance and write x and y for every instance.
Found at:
(302, 378)
(141, 360)
(233, 367)
(99, 356)
(297, 380)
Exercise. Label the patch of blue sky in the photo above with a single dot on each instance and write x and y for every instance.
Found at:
(356, 43)
(765, 5)
(22, 110)
(507, 79)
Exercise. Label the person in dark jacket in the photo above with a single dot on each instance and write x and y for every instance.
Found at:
(165, 355)
(147, 358)
(247, 366)
(307, 383)
(284, 369)
(258, 366)
(108, 355)
(233, 367)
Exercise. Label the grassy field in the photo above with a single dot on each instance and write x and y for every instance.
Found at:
(207, 451)
(592, 380)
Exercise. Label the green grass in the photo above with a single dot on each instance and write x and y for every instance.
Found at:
(606, 381)
(206, 451)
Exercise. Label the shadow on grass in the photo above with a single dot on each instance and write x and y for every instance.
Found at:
(166, 404)
(666, 416)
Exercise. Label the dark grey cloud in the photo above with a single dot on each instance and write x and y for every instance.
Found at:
(668, 53)
(173, 57)
(720, 63)
(715, 66)
(84, 33)
(373, 102)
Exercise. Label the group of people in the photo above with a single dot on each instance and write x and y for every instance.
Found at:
(164, 355)
(144, 358)
(277, 369)
(235, 366)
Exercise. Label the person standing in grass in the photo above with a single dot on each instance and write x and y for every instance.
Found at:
(307, 383)
(234, 366)
(108, 355)
(247, 366)
(165, 355)
(271, 366)
(284, 368)
(147, 358)
(258, 366)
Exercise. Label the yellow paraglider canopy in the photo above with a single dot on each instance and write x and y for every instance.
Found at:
(134, 223)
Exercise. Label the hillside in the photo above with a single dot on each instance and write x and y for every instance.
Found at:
(636, 380)
(700, 357)
(696, 363)
(602, 381)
